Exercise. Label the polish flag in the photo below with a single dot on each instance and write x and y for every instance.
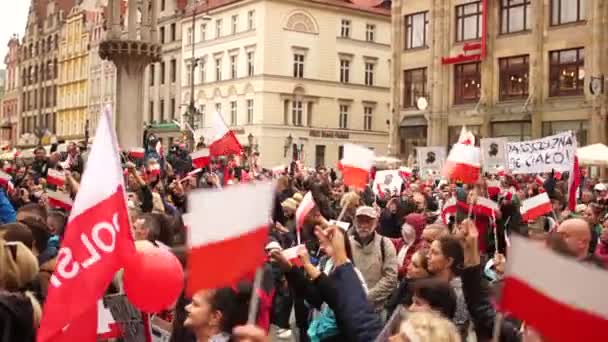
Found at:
(154, 169)
(96, 244)
(357, 163)
(137, 153)
(466, 137)
(229, 225)
(107, 327)
(201, 158)
(560, 297)
(5, 179)
(405, 172)
(573, 183)
(307, 204)
(486, 206)
(501, 172)
(539, 180)
(536, 206)
(493, 187)
(340, 166)
(223, 141)
(449, 209)
(58, 199)
(291, 254)
(463, 164)
(194, 172)
(55, 177)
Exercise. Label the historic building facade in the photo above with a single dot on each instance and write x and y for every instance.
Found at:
(72, 86)
(10, 100)
(517, 69)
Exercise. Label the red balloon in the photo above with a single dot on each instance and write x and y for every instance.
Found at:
(153, 280)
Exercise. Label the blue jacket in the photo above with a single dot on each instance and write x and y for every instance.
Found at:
(7, 212)
(354, 314)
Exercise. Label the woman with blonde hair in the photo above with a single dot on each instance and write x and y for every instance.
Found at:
(426, 327)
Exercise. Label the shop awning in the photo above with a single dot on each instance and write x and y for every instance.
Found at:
(410, 121)
(596, 154)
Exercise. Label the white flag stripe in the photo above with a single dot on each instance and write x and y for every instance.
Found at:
(358, 156)
(488, 203)
(60, 196)
(103, 172)
(465, 154)
(200, 153)
(217, 215)
(564, 279)
(534, 202)
(219, 126)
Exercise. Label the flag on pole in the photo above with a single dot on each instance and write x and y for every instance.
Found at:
(463, 164)
(494, 187)
(466, 137)
(55, 177)
(560, 297)
(137, 153)
(229, 225)
(307, 204)
(59, 199)
(107, 327)
(356, 165)
(97, 243)
(223, 142)
(201, 158)
(486, 206)
(405, 172)
(573, 183)
(449, 209)
(536, 206)
(291, 254)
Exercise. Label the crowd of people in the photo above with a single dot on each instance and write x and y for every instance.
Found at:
(396, 267)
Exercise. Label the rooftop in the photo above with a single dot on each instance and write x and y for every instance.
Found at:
(372, 6)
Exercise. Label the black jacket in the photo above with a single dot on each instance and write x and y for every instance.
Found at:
(16, 318)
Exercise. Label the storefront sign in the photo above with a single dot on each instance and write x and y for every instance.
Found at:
(328, 134)
(542, 155)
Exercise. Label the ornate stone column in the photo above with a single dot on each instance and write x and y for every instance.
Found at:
(130, 55)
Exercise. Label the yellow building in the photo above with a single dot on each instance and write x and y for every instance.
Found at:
(73, 76)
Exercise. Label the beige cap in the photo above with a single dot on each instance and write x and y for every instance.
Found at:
(366, 211)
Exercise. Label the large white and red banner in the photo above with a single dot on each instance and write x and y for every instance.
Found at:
(96, 244)
(555, 152)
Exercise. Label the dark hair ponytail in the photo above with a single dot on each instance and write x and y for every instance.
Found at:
(233, 303)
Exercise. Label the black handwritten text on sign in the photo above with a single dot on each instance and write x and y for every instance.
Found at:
(542, 155)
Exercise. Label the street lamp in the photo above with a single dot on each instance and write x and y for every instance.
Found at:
(288, 142)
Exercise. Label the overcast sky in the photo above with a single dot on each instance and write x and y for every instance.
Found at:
(13, 16)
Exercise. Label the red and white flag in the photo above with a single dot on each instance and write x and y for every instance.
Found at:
(463, 164)
(201, 158)
(229, 225)
(107, 327)
(356, 164)
(59, 199)
(486, 206)
(55, 177)
(539, 180)
(466, 137)
(154, 169)
(194, 172)
(449, 209)
(494, 187)
(96, 244)
(291, 254)
(405, 172)
(223, 142)
(536, 206)
(573, 183)
(307, 204)
(561, 298)
(137, 153)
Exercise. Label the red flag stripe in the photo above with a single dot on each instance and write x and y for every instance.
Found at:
(355, 177)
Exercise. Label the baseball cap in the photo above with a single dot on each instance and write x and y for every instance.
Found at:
(366, 211)
(600, 187)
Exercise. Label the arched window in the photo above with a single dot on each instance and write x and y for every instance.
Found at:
(301, 22)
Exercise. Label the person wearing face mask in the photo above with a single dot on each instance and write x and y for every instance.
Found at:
(375, 257)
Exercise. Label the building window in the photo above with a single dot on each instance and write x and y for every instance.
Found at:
(161, 111)
(512, 130)
(345, 28)
(468, 21)
(319, 155)
(250, 63)
(298, 65)
(150, 111)
(189, 73)
(296, 113)
(162, 5)
(467, 82)
(340, 152)
(567, 11)
(235, 23)
(344, 70)
(579, 128)
(172, 109)
(414, 86)
(343, 119)
(233, 113)
(203, 69)
(370, 32)
(515, 16)
(151, 74)
(369, 74)
(416, 29)
(367, 118)
(514, 77)
(251, 20)
(218, 107)
(218, 28)
(173, 32)
(199, 121)
(285, 112)
(173, 70)
(309, 114)
(250, 111)
(567, 72)
(218, 69)
(203, 32)
(233, 65)
(162, 35)
(190, 36)
(162, 72)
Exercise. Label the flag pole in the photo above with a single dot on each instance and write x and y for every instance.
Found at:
(255, 299)
(497, 325)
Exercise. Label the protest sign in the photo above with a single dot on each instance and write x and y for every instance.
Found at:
(555, 152)
(493, 154)
(135, 325)
(430, 160)
(387, 182)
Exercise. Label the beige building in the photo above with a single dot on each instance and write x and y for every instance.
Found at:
(162, 93)
(72, 87)
(540, 70)
(292, 79)
(10, 99)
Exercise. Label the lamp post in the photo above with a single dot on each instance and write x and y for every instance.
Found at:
(288, 142)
